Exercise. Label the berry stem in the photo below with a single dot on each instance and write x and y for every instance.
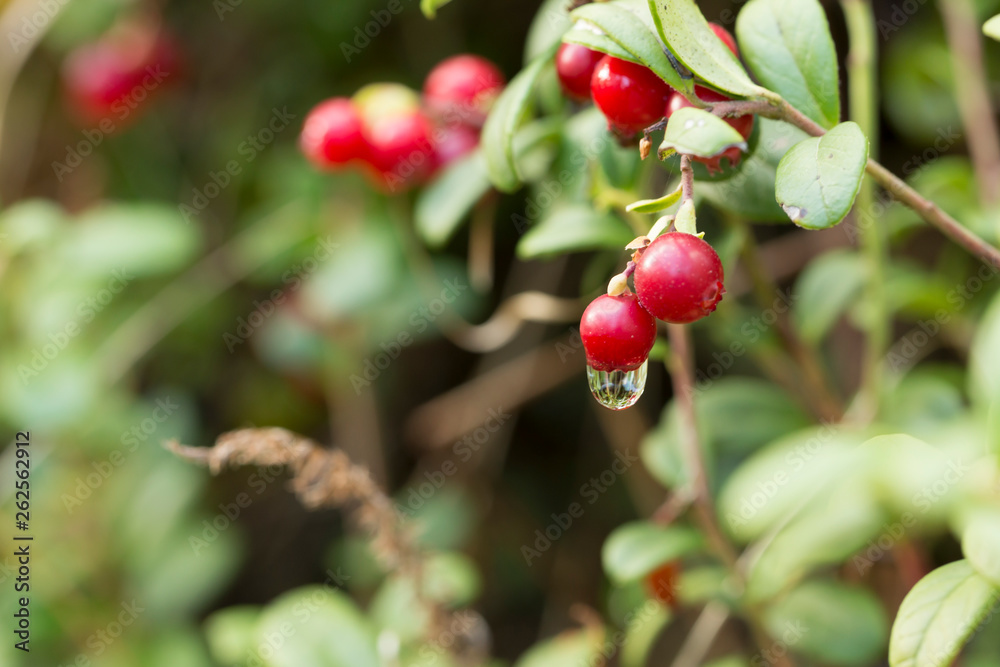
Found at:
(687, 178)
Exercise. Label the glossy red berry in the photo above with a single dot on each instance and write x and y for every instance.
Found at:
(661, 583)
(575, 65)
(462, 89)
(112, 78)
(617, 333)
(452, 142)
(742, 124)
(401, 150)
(726, 37)
(679, 278)
(630, 96)
(333, 134)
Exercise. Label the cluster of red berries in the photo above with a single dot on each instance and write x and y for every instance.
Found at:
(632, 97)
(109, 79)
(678, 279)
(398, 137)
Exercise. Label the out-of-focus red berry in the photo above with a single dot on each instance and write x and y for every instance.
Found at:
(575, 66)
(452, 142)
(333, 134)
(726, 37)
(462, 89)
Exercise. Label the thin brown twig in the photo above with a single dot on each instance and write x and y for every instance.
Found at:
(687, 178)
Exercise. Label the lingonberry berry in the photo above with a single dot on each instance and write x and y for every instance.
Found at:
(661, 583)
(333, 134)
(452, 142)
(679, 278)
(462, 89)
(575, 66)
(726, 37)
(742, 124)
(400, 150)
(630, 96)
(617, 333)
(110, 78)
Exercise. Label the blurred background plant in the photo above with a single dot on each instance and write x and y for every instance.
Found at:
(177, 269)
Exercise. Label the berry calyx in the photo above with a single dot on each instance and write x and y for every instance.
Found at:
(661, 583)
(725, 37)
(617, 333)
(742, 124)
(333, 134)
(575, 65)
(679, 278)
(629, 95)
(462, 89)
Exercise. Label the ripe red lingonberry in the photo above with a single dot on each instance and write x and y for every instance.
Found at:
(617, 333)
(726, 37)
(661, 583)
(112, 77)
(679, 278)
(462, 89)
(630, 96)
(452, 142)
(400, 150)
(742, 124)
(575, 66)
(333, 134)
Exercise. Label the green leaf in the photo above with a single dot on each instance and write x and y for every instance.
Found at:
(939, 615)
(654, 205)
(443, 204)
(756, 413)
(509, 110)
(826, 289)
(628, 31)
(992, 28)
(140, 239)
(586, 35)
(686, 33)
(430, 7)
(697, 132)
(547, 28)
(574, 228)
(984, 358)
(749, 192)
(569, 649)
(788, 47)
(819, 178)
(329, 630)
(230, 633)
(636, 549)
(814, 619)
(981, 544)
(641, 635)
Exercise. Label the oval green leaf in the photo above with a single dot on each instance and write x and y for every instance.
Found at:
(655, 205)
(788, 47)
(443, 205)
(826, 289)
(508, 112)
(686, 33)
(939, 615)
(569, 649)
(818, 179)
(697, 132)
(636, 549)
(576, 228)
(632, 35)
(981, 544)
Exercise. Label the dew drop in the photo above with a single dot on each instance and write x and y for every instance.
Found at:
(617, 390)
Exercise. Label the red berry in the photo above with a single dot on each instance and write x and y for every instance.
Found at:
(400, 150)
(462, 89)
(118, 72)
(575, 66)
(617, 333)
(726, 37)
(630, 96)
(333, 134)
(742, 124)
(661, 583)
(679, 278)
(452, 142)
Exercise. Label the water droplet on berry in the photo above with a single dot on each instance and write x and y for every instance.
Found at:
(617, 390)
